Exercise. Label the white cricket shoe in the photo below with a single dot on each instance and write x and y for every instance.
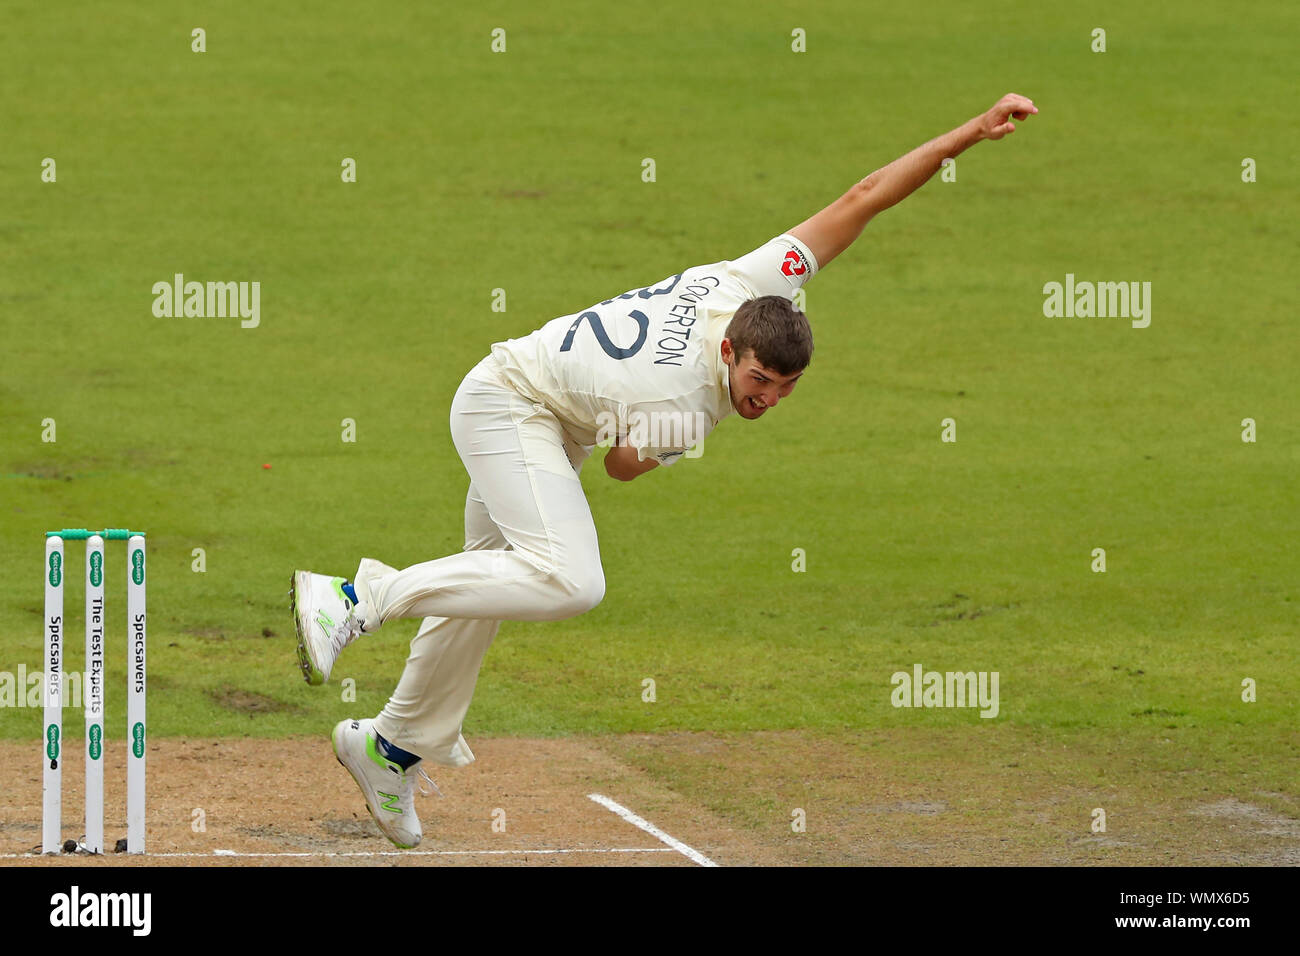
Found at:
(326, 620)
(389, 790)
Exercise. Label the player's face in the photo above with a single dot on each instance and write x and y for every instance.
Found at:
(755, 388)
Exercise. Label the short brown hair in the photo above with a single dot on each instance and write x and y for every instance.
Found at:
(776, 332)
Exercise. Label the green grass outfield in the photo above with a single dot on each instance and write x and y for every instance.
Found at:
(522, 171)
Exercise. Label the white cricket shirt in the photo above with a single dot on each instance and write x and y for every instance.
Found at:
(646, 366)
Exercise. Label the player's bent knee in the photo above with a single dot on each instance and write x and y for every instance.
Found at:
(580, 592)
(486, 542)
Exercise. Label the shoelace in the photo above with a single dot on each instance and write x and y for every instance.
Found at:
(345, 632)
(424, 777)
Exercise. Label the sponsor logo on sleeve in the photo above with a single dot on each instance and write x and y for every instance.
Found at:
(794, 263)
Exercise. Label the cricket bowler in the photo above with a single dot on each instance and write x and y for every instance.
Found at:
(655, 369)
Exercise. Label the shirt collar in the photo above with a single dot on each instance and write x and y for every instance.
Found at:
(721, 377)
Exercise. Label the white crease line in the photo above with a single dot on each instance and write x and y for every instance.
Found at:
(357, 853)
(695, 856)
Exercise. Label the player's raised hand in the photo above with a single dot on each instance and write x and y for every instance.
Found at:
(996, 123)
(831, 231)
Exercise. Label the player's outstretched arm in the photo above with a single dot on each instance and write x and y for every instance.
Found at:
(835, 228)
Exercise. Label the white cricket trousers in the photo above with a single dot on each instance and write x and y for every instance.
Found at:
(531, 554)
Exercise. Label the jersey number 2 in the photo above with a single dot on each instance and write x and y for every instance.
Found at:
(612, 350)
